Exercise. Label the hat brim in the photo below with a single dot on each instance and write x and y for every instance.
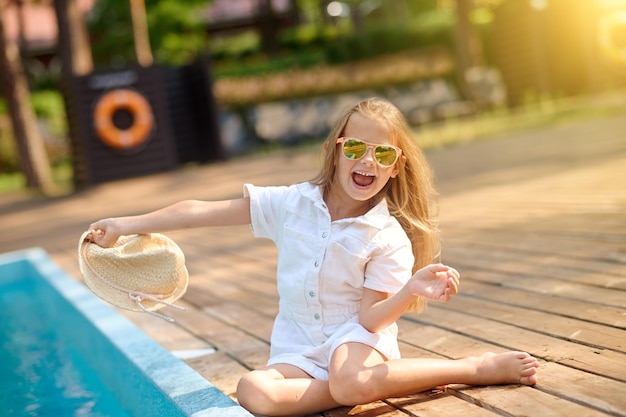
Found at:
(109, 273)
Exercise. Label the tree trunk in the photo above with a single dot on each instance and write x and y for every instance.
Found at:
(469, 51)
(76, 59)
(267, 28)
(73, 44)
(31, 151)
(140, 33)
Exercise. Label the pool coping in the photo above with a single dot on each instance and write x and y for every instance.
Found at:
(193, 394)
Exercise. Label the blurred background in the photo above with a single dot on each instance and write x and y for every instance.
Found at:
(99, 90)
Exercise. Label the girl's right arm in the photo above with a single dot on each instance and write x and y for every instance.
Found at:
(183, 215)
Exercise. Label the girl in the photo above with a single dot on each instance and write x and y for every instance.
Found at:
(355, 247)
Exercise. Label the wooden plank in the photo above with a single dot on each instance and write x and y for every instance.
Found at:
(603, 394)
(544, 285)
(223, 293)
(528, 241)
(558, 380)
(408, 350)
(595, 360)
(244, 318)
(377, 408)
(170, 335)
(510, 400)
(565, 328)
(437, 403)
(246, 349)
(579, 309)
(541, 253)
(221, 370)
(551, 265)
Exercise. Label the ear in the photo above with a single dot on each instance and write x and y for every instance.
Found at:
(400, 163)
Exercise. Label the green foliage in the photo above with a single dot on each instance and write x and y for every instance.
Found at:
(49, 108)
(247, 43)
(177, 35)
(308, 45)
(48, 105)
(260, 64)
(111, 34)
(176, 32)
(419, 6)
(428, 29)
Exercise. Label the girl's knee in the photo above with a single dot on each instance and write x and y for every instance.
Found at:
(353, 375)
(254, 395)
(352, 388)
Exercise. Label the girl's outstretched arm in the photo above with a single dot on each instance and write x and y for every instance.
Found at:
(434, 282)
(183, 215)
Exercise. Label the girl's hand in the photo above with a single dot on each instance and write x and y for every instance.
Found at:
(435, 282)
(104, 233)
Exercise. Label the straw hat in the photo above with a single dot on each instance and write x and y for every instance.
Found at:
(139, 273)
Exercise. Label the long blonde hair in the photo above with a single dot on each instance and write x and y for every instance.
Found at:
(411, 195)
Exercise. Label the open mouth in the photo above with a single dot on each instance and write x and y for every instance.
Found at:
(363, 179)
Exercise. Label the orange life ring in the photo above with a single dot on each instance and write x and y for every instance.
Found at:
(140, 110)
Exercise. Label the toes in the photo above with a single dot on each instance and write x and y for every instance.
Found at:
(528, 380)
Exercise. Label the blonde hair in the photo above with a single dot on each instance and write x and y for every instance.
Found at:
(410, 195)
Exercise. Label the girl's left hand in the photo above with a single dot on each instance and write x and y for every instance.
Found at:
(435, 282)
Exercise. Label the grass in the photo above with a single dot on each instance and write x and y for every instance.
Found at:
(62, 177)
(11, 181)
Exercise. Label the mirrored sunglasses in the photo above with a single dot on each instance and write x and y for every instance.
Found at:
(385, 155)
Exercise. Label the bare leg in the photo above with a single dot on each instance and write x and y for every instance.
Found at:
(283, 390)
(355, 364)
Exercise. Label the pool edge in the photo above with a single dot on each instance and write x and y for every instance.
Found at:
(191, 393)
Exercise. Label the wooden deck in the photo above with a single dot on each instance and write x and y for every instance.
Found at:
(535, 222)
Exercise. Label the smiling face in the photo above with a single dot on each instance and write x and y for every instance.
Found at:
(356, 181)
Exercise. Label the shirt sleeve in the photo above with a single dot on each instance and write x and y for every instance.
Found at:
(265, 209)
(390, 267)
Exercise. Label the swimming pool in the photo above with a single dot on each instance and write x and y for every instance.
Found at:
(63, 352)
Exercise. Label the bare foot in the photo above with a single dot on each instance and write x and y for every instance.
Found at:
(505, 368)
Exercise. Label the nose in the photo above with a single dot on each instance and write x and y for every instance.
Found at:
(369, 155)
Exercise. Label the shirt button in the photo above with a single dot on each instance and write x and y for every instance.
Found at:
(317, 263)
(316, 316)
(311, 294)
(324, 235)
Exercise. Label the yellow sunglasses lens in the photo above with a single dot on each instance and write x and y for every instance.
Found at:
(385, 155)
(356, 149)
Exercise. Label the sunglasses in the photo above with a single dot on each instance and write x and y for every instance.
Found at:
(385, 155)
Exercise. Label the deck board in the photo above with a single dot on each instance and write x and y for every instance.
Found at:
(535, 222)
(584, 310)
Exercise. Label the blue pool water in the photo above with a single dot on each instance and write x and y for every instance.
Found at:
(65, 353)
(42, 373)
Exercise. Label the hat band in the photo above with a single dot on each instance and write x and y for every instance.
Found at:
(136, 296)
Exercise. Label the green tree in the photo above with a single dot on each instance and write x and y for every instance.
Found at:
(13, 84)
(468, 48)
(176, 31)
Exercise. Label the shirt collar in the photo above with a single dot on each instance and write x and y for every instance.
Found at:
(376, 217)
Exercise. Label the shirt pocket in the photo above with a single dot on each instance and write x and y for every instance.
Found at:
(343, 274)
(299, 229)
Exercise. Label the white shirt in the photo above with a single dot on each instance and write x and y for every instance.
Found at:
(324, 265)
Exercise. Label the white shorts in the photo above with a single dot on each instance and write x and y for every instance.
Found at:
(310, 347)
